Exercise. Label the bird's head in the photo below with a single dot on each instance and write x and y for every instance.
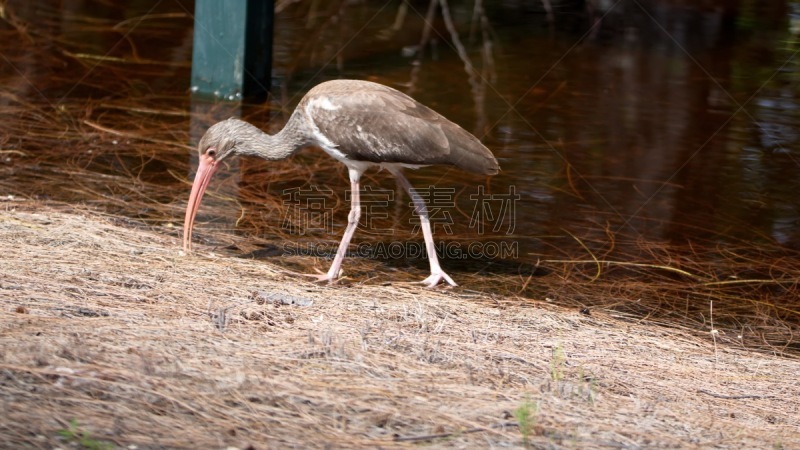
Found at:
(219, 142)
(223, 139)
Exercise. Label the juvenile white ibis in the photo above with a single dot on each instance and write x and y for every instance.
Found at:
(361, 124)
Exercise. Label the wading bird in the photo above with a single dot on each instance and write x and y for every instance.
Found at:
(362, 124)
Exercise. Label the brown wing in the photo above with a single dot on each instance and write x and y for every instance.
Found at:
(372, 122)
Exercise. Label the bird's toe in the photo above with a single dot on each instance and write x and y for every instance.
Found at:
(318, 277)
(435, 278)
(325, 278)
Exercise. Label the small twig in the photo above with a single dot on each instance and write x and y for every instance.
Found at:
(713, 330)
(570, 181)
(732, 397)
(625, 264)
(116, 59)
(13, 152)
(528, 280)
(596, 261)
(430, 437)
(126, 134)
(137, 109)
(168, 16)
(515, 358)
(752, 281)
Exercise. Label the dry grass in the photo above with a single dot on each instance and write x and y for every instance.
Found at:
(108, 325)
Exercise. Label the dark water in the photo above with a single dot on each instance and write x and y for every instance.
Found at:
(641, 122)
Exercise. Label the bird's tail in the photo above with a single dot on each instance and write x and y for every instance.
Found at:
(468, 153)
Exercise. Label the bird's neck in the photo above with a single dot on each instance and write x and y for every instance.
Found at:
(281, 145)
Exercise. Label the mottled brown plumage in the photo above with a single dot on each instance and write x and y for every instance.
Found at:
(361, 124)
(379, 124)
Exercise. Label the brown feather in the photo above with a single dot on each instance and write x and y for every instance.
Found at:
(371, 122)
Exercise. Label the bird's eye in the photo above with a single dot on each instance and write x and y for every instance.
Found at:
(211, 152)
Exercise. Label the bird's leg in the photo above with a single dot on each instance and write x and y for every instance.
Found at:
(437, 274)
(352, 224)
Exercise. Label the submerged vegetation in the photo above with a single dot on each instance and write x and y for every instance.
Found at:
(114, 133)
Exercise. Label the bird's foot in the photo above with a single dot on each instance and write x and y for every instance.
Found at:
(435, 278)
(324, 277)
(318, 277)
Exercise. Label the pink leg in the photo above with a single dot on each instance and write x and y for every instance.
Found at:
(352, 224)
(437, 274)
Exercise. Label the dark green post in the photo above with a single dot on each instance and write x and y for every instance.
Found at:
(232, 56)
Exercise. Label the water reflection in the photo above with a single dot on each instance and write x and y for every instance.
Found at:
(621, 125)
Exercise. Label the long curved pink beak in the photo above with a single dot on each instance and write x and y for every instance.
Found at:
(208, 165)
